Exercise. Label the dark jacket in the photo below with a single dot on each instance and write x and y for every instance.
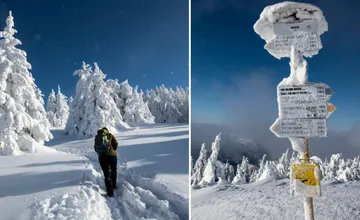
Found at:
(113, 146)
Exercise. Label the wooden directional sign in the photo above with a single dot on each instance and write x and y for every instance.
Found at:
(303, 127)
(303, 180)
(300, 34)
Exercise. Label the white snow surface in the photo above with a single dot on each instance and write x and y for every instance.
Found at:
(281, 12)
(67, 183)
(271, 200)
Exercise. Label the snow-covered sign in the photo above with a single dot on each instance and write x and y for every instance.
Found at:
(305, 110)
(307, 93)
(291, 23)
(305, 180)
(302, 128)
(301, 34)
(301, 27)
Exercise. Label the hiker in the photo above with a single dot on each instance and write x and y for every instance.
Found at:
(106, 145)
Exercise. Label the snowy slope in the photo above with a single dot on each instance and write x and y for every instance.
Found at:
(27, 179)
(153, 182)
(272, 201)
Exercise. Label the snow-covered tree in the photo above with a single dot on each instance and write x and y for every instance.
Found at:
(220, 171)
(331, 171)
(245, 168)
(130, 102)
(182, 103)
(23, 122)
(239, 177)
(269, 172)
(253, 175)
(77, 106)
(284, 165)
(229, 172)
(341, 167)
(57, 109)
(199, 166)
(261, 167)
(355, 168)
(136, 110)
(62, 108)
(167, 105)
(51, 103)
(209, 175)
(93, 107)
(242, 172)
(345, 175)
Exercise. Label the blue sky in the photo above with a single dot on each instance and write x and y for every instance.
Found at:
(229, 62)
(140, 40)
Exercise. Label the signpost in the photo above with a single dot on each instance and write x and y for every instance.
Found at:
(293, 30)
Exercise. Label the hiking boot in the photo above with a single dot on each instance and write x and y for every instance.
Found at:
(111, 195)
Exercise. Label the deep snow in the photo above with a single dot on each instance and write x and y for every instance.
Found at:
(272, 201)
(153, 182)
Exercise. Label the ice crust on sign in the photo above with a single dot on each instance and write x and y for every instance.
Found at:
(290, 12)
(298, 144)
(303, 189)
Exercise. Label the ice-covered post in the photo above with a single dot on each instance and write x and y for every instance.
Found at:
(293, 29)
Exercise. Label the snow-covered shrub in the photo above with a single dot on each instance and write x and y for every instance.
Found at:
(22, 112)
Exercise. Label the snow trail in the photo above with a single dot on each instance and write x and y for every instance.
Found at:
(137, 197)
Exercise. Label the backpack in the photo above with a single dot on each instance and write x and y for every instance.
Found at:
(102, 142)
